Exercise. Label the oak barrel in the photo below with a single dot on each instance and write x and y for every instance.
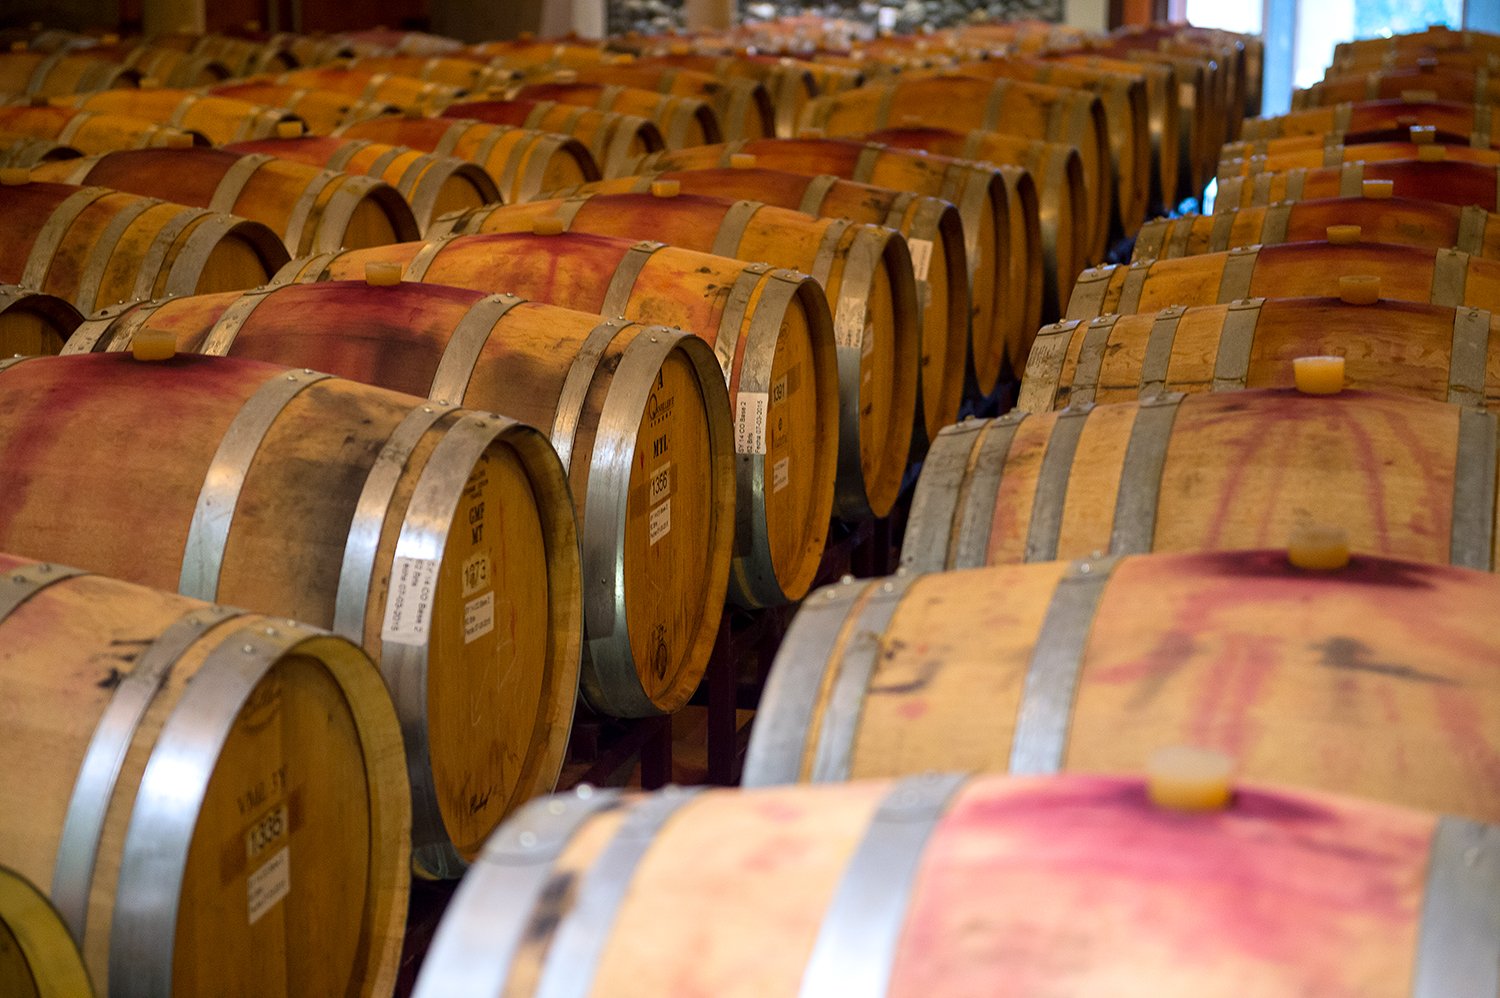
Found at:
(1440, 277)
(381, 88)
(90, 132)
(770, 329)
(1453, 83)
(954, 885)
(1314, 151)
(34, 323)
(38, 958)
(789, 83)
(312, 210)
(219, 119)
(522, 162)
(638, 415)
(1407, 478)
(615, 140)
(683, 121)
(62, 72)
(1373, 679)
(210, 797)
(1446, 182)
(323, 111)
(25, 151)
(742, 105)
(96, 247)
(461, 73)
(1001, 231)
(863, 270)
(432, 185)
(427, 533)
(1422, 351)
(1475, 121)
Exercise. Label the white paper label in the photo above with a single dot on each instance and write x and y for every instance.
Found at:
(476, 573)
(750, 422)
(479, 617)
(661, 521)
(781, 474)
(661, 483)
(408, 606)
(849, 323)
(921, 257)
(269, 884)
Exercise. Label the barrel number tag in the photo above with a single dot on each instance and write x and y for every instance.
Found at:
(781, 474)
(921, 257)
(269, 884)
(750, 422)
(408, 609)
(849, 323)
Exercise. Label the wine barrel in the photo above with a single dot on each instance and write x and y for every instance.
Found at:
(1160, 640)
(1417, 350)
(62, 72)
(770, 329)
(323, 111)
(955, 885)
(88, 132)
(426, 533)
(789, 83)
(431, 185)
(683, 121)
(386, 41)
(1454, 83)
(1065, 215)
(1311, 152)
(1001, 232)
(1123, 99)
(523, 163)
(1473, 120)
(1344, 63)
(1396, 221)
(310, 50)
(221, 120)
(34, 323)
(38, 958)
(1440, 277)
(1198, 138)
(460, 73)
(25, 151)
(168, 66)
(375, 88)
(1162, 117)
(313, 210)
(1455, 183)
(743, 106)
(864, 269)
(243, 56)
(615, 140)
(526, 53)
(211, 796)
(1408, 478)
(1437, 39)
(638, 415)
(96, 247)
(1031, 110)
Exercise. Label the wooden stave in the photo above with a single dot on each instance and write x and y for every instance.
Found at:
(636, 216)
(683, 121)
(39, 944)
(431, 185)
(613, 139)
(1441, 277)
(517, 180)
(183, 246)
(820, 906)
(883, 724)
(313, 210)
(21, 308)
(1405, 348)
(449, 442)
(755, 579)
(994, 237)
(1146, 504)
(1395, 221)
(268, 325)
(233, 651)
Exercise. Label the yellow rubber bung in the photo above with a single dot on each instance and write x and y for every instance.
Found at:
(565, 76)
(1319, 375)
(810, 133)
(289, 129)
(1432, 154)
(549, 225)
(109, 38)
(1419, 96)
(1359, 289)
(382, 275)
(1377, 190)
(153, 344)
(149, 83)
(1317, 547)
(18, 46)
(15, 176)
(178, 140)
(1344, 235)
(1423, 134)
(1185, 778)
(742, 161)
(666, 188)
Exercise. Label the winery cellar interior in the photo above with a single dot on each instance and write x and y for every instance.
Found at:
(705, 498)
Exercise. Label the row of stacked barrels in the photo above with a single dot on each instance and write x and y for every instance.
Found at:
(715, 297)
